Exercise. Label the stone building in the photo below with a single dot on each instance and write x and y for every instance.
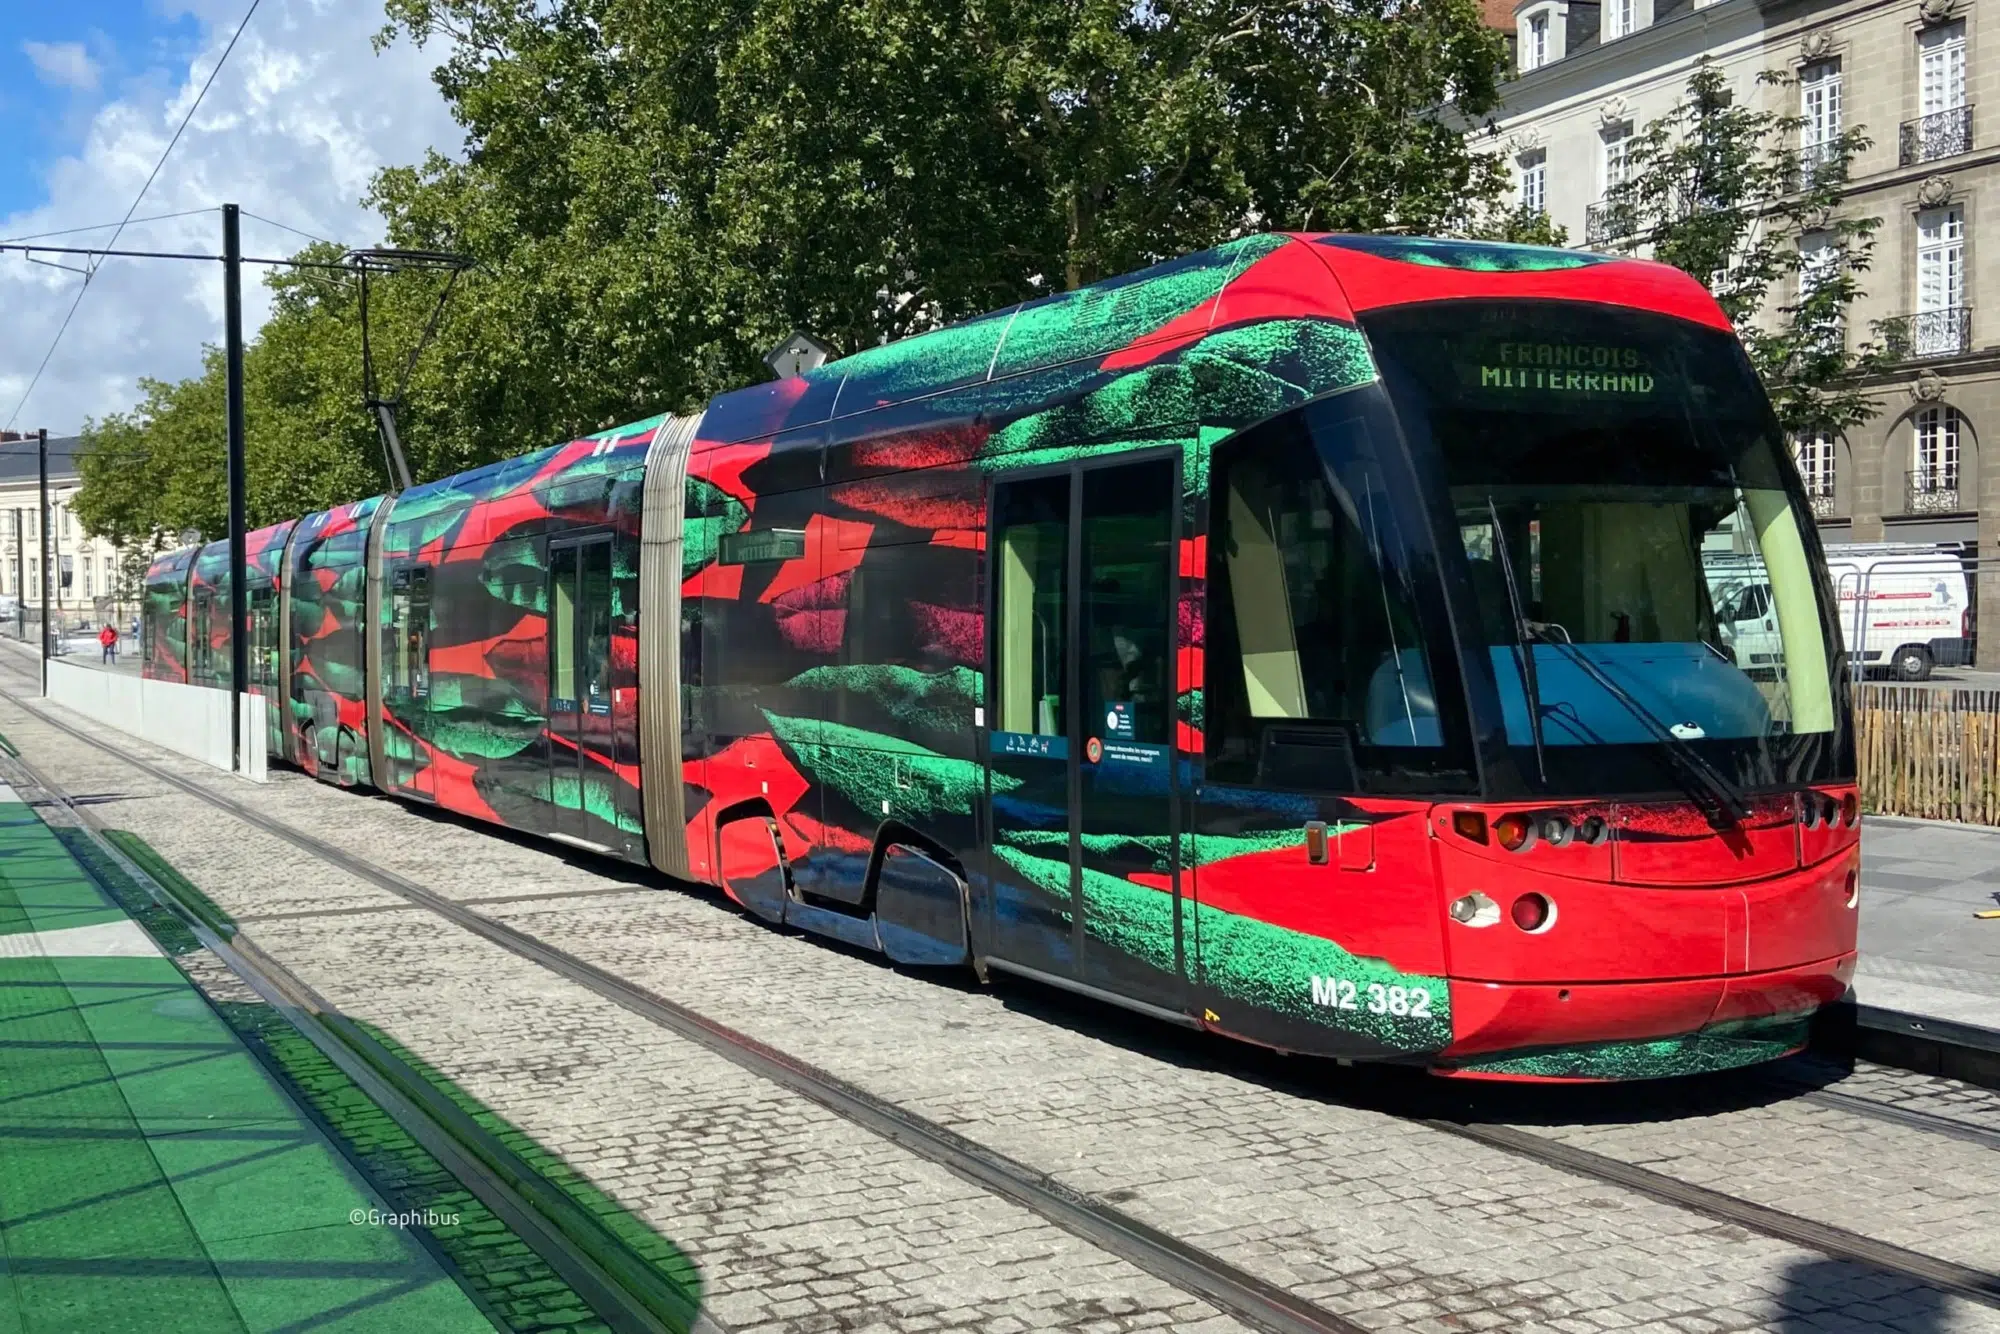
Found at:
(1908, 73)
(91, 564)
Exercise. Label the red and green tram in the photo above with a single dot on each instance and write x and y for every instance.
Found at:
(1308, 640)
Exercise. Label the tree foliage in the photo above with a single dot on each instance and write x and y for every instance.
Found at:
(657, 191)
(1718, 190)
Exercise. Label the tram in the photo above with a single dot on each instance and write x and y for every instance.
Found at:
(1307, 640)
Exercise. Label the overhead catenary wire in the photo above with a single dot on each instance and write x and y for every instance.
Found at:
(287, 227)
(152, 176)
(108, 226)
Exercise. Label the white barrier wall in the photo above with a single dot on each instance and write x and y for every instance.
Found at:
(193, 720)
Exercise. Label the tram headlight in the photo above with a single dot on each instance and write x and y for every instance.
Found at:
(1514, 831)
(1474, 909)
(1592, 830)
(1556, 831)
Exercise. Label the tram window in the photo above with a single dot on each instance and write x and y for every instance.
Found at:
(398, 655)
(204, 644)
(595, 651)
(1312, 645)
(263, 652)
(1032, 546)
(1127, 596)
(562, 628)
(417, 632)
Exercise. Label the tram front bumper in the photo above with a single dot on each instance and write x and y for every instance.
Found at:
(1639, 1029)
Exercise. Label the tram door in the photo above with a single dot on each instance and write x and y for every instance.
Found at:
(582, 739)
(1081, 784)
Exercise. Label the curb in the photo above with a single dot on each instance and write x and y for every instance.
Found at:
(1904, 1041)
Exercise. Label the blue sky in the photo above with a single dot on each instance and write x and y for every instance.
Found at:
(298, 122)
(59, 62)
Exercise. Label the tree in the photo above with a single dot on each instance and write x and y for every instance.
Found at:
(1716, 190)
(655, 192)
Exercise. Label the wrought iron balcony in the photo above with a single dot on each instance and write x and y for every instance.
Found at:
(1817, 164)
(1606, 221)
(1940, 134)
(1929, 333)
(1930, 491)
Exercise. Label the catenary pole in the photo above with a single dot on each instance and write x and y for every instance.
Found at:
(232, 319)
(42, 437)
(20, 575)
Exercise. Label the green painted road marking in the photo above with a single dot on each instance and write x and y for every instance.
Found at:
(153, 1176)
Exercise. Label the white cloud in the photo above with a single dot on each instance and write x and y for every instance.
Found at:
(298, 122)
(62, 64)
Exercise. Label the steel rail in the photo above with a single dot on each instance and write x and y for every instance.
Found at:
(1840, 1243)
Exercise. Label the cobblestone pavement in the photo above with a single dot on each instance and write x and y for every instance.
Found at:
(1370, 1215)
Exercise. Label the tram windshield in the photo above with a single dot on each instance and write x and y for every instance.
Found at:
(1636, 547)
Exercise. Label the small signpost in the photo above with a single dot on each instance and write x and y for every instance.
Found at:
(796, 355)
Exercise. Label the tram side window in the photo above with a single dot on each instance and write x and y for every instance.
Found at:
(417, 632)
(1312, 646)
(263, 646)
(204, 643)
(1032, 550)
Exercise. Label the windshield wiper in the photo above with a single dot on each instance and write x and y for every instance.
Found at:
(1529, 681)
(1723, 798)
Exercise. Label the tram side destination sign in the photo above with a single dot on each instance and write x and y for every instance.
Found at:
(1542, 371)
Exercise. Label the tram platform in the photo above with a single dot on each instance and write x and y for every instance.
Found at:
(1922, 950)
(152, 1174)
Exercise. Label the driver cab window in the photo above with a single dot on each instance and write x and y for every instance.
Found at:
(1312, 642)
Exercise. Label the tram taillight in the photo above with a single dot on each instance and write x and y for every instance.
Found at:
(1513, 830)
(1850, 809)
(1531, 912)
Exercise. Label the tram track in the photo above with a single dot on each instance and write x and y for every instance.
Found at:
(1232, 1290)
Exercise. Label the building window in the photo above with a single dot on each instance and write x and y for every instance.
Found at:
(1814, 454)
(65, 523)
(1934, 481)
(1941, 68)
(1940, 321)
(1819, 107)
(1617, 155)
(1535, 182)
(1535, 44)
(1819, 264)
(1620, 17)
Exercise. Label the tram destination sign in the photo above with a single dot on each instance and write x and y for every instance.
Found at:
(1544, 370)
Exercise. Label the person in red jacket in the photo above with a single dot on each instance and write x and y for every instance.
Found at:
(108, 637)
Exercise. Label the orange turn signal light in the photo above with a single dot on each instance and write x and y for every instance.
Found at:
(1469, 824)
(1512, 831)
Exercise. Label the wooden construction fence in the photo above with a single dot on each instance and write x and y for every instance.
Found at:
(1930, 754)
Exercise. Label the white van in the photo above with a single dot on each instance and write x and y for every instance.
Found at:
(1908, 601)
